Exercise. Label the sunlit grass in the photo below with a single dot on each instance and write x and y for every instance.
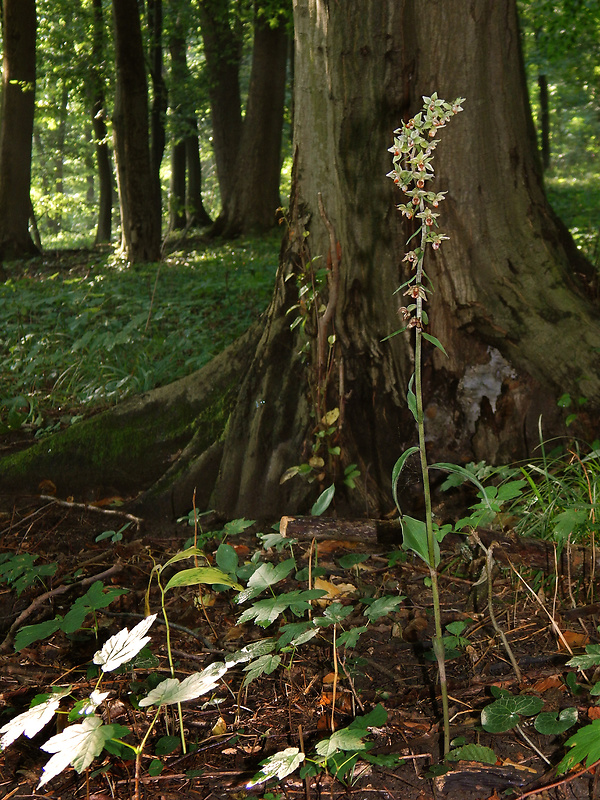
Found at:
(84, 331)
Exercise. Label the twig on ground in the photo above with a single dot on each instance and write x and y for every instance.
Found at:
(88, 507)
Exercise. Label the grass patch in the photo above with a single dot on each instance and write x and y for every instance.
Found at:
(82, 330)
(577, 202)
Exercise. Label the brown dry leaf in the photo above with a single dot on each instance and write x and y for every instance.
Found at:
(47, 487)
(333, 545)
(283, 524)
(219, 728)
(573, 639)
(593, 712)
(329, 678)
(551, 682)
(333, 591)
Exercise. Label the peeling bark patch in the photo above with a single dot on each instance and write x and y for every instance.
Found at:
(482, 380)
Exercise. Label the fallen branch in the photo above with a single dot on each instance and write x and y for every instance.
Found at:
(88, 507)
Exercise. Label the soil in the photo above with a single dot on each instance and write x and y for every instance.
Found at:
(232, 730)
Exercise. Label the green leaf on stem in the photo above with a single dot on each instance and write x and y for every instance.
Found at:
(434, 341)
(398, 467)
(414, 534)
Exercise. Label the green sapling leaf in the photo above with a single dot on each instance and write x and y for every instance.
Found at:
(473, 752)
(265, 576)
(586, 747)
(383, 606)
(553, 723)
(590, 659)
(414, 537)
(398, 467)
(434, 341)
(196, 575)
(323, 501)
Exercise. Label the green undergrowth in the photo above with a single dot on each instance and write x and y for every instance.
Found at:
(82, 330)
(576, 199)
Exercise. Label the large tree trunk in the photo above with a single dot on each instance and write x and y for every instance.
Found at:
(138, 194)
(255, 196)
(508, 303)
(16, 129)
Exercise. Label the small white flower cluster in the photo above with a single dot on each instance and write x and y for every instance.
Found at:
(412, 151)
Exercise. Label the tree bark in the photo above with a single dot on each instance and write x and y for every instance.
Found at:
(544, 120)
(509, 304)
(16, 129)
(138, 195)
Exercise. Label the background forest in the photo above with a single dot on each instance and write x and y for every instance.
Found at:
(203, 101)
(204, 77)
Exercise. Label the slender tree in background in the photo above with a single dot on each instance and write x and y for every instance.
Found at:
(138, 192)
(98, 106)
(511, 305)
(16, 127)
(255, 195)
(186, 207)
(222, 35)
(159, 105)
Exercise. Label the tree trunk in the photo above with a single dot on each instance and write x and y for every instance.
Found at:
(159, 89)
(98, 105)
(255, 197)
(222, 38)
(138, 195)
(186, 206)
(196, 214)
(177, 187)
(509, 304)
(16, 129)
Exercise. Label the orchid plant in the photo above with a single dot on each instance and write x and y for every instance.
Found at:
(412, 154)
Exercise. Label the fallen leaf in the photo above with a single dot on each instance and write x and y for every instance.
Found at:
(333, 590)
(573, 639)
(219, 728)
(551, 682)
(593, 712)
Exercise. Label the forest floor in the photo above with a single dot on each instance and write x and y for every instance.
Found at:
(232, 729)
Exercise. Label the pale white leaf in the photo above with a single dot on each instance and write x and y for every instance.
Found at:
(172, 691)
(124, 645)
(279, 765)
(77, 745)
(32, 721)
